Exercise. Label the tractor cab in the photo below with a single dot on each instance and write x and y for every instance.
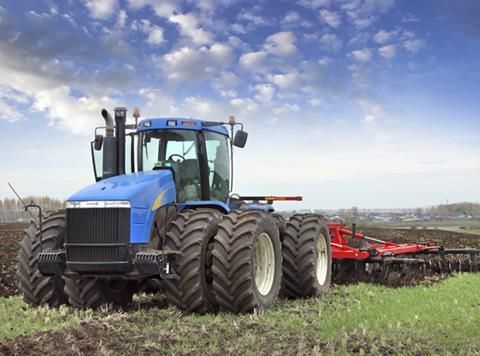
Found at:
(199, 159)
(198, 153)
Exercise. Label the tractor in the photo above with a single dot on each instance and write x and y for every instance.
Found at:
(161, 216)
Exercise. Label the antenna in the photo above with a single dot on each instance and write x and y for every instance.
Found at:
(23, 203)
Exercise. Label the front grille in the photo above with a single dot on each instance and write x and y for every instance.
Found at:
(97, 235)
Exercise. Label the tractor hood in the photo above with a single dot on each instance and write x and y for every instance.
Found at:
(144, 190)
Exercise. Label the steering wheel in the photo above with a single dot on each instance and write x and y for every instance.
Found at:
(176, 155)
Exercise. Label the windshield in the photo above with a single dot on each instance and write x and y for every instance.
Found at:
(176, 150)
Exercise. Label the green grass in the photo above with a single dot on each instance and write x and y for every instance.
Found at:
(434, 319)
(17, 317)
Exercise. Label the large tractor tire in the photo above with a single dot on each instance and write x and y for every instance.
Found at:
(92, 293)
(307, 257)
(280, 222)
(192, 233)
(247, 262)
(36, 288)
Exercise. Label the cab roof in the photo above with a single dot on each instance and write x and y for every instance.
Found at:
(178, 123)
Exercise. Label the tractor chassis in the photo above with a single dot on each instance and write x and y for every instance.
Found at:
(145, 264)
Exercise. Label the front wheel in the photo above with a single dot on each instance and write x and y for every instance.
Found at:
(36, 288)
(247, 262)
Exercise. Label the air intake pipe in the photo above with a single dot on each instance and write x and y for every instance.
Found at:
(120, 121)
(108, 123)
(109, 147)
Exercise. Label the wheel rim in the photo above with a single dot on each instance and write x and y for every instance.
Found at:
(264, 263)
(321, 267)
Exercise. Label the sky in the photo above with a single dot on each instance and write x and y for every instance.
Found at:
(368, 103)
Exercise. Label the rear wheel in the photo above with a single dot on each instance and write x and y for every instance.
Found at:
(280, 222)
(307, 256)
(92, 293)
(192, 233)
(36, 288)
(247, 262)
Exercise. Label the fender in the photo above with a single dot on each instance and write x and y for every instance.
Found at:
(214, 204)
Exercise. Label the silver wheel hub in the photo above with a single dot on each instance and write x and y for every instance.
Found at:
(264, 263)
(321, 268)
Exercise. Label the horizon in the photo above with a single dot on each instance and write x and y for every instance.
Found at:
(347, 103)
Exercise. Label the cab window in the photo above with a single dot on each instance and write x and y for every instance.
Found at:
(218, 165)
(176, 150)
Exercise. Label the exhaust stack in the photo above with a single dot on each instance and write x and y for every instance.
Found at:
(120, 121)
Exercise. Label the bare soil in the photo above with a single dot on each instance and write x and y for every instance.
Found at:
(440, 237)
(10, 237)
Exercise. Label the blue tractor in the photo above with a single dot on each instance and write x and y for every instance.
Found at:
(161, 216)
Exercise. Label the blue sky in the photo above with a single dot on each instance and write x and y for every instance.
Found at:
(369, 103)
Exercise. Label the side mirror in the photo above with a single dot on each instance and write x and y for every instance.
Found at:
(240, 138)
(98, 142)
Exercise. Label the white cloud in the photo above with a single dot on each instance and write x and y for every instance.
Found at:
(291, 16)
(246, 105)
(101, 9)
(281, 44)
(121, 18)
(314, 4)
(252, 18)
(284, 81)
(189, 27)
(225, 83)
(315, 102)
(368, 120)
(382, 36)
(332, 18)
(190, 64)
(324, 61)
(67, 112)
(238, 28)
(363, 14)
(286, 108)
(253, 61)
(414, 45)
(361, 55)
(162, 8)
(265, 93)
(331, 42)
(155, 36)
(9, 113)
(388, 51)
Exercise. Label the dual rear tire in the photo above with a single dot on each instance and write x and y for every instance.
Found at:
(247, 262)
(307, 257)
(229, 262)
(235, 262)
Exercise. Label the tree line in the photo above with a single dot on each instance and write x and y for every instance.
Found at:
(456, 209)
(11, 210)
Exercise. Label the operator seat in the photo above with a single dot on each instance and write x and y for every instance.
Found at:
(188, 180)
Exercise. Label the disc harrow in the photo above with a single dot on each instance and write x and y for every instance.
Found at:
(360, 258)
